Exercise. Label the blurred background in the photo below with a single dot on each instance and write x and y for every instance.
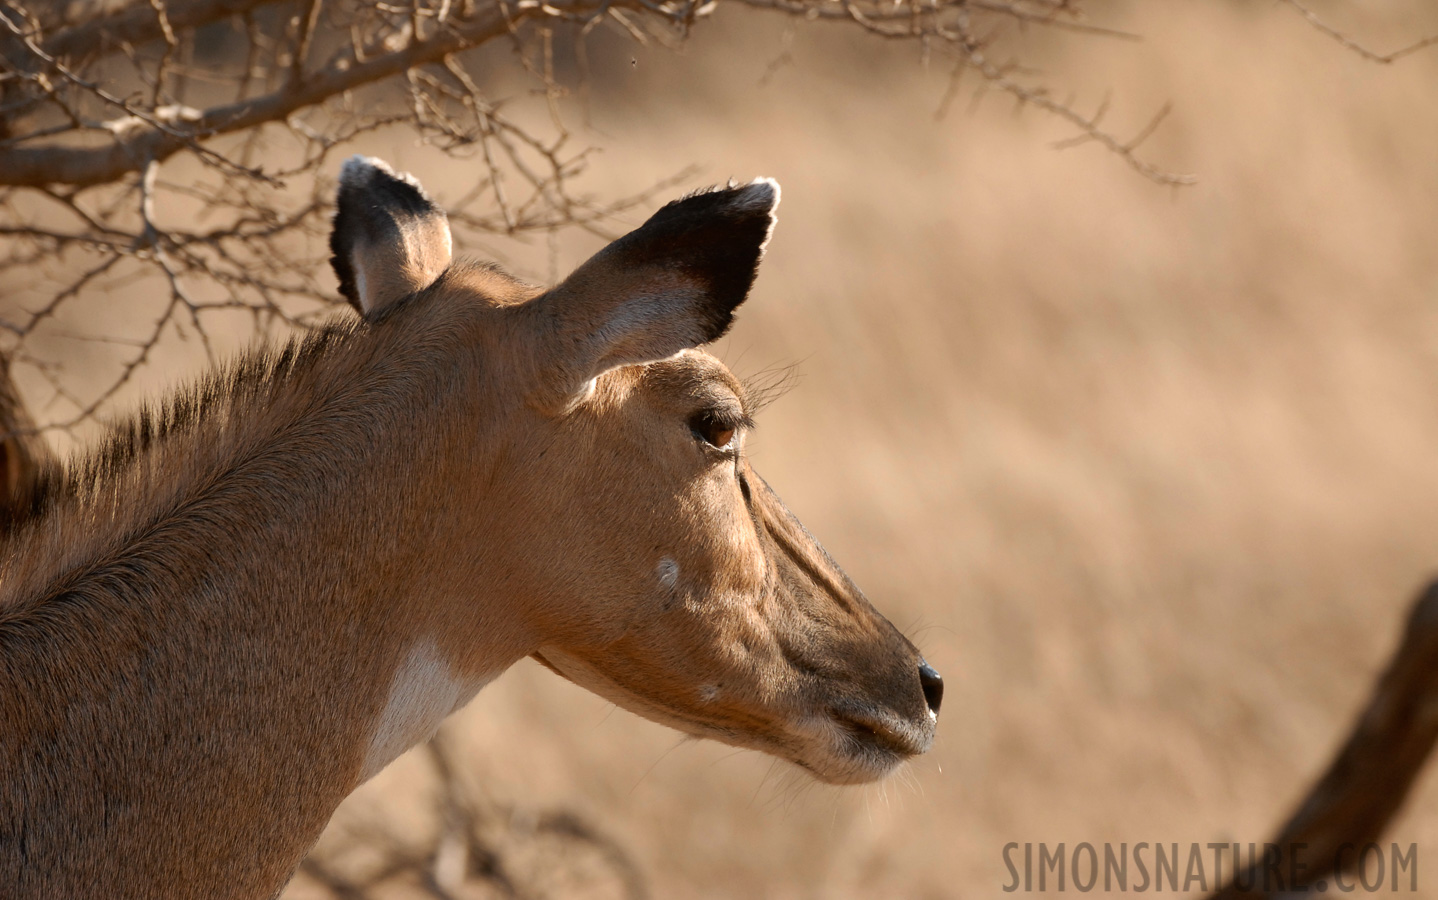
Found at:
(1148, 472)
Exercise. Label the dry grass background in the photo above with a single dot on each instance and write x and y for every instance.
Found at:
(1149, 474)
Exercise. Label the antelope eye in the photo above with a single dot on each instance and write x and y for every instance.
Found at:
(713, 429)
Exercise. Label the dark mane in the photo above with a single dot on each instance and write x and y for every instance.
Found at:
(243, 382)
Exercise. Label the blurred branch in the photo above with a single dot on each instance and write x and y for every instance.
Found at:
(1366, 785)
(951, 24)
(508, 852)
(1351, 44)
(1088, 126)
(138, 23)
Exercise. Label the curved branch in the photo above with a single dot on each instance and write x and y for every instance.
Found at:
(1365, 786)
(84, 166)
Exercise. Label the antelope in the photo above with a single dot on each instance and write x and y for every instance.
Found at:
(254, 595)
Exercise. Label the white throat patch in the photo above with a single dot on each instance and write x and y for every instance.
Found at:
(424, 691)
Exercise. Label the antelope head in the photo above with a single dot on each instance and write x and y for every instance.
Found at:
(615, 505)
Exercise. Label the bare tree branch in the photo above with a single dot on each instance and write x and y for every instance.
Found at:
(477, 844)
(82, 166)
(95, 114)
(50, 164)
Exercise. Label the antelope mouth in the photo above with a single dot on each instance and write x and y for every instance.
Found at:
(875, 735)
(870, 745)
(886, 732)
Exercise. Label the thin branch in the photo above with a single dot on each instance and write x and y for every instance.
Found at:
(171, 134)
(1351, 44)
(36, 166)
(308, 21)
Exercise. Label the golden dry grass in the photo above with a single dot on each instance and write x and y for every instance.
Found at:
(1149, 474)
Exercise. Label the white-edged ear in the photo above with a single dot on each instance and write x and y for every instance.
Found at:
(672, 283)
(389, 239)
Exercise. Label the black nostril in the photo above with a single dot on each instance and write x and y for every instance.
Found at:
(933, 685)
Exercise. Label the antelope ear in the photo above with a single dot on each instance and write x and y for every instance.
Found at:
(672, 283)
(389, 239)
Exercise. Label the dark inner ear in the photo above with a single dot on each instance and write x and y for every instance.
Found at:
(672, 283)
(715, 239)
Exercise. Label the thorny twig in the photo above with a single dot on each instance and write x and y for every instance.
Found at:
(1352, 44)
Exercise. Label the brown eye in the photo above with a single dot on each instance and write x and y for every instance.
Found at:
(712, 430)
